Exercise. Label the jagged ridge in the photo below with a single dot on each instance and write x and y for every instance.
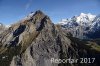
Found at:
(84, 26)
(34, 41)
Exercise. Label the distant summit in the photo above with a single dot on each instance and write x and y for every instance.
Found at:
(85, 18)
(83, 26)
(82, 18)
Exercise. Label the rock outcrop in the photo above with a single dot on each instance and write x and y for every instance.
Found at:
(36, 40)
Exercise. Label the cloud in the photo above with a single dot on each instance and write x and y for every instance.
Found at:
(28, 4)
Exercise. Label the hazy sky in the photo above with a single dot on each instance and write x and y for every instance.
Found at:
(13, 10)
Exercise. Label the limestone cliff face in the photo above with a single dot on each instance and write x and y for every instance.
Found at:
(34, 41)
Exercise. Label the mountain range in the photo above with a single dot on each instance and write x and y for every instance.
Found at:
(35, 41)
(84, 26)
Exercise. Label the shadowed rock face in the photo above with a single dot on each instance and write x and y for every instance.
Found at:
(35, 41)
(18, 31)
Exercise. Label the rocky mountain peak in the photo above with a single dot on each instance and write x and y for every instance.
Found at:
(39, 12)
(35, 41)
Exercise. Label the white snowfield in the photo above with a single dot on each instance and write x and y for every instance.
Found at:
(81, 19)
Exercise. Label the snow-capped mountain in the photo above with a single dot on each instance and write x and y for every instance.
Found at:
(82, 19)
(82, 26)
(85, 18)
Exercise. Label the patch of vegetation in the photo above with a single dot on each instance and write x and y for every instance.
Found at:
(94, 46)
(7, 56)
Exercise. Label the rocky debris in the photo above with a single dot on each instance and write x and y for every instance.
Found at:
(35, 41)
